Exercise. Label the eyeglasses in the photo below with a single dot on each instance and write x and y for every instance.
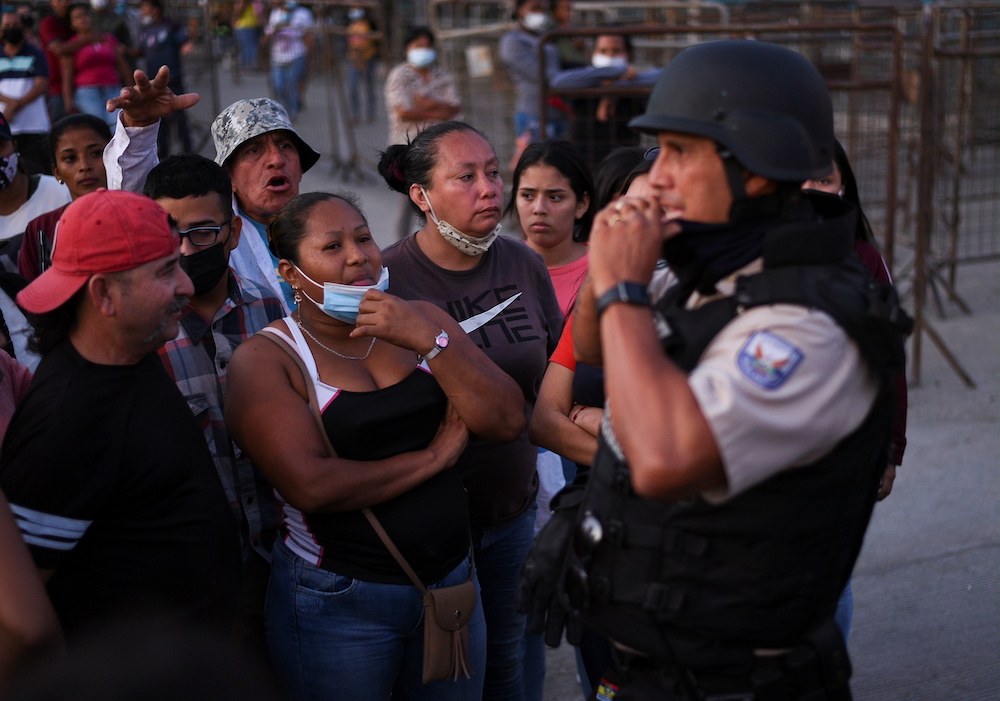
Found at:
(203, 235)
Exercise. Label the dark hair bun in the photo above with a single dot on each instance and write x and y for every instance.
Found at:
(391, 166)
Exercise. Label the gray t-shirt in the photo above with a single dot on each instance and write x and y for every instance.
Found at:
(500, 477)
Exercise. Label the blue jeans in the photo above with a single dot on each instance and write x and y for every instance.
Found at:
(92, 99)
(332, 637)
(286, 84)
(845, 611)
(534, 666)
(500, 553)
(356, 78)
(247, 40)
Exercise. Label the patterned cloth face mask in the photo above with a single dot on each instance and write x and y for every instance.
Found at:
(469, 245)
(8, 170)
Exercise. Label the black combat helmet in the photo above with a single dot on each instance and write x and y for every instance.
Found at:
(766, 104)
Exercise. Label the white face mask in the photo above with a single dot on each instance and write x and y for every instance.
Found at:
(8, 170)
(602, 61)
(420, 56)
(536, 22)
(469, 245)
(341, 302)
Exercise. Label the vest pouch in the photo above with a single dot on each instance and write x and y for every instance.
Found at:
(447, 613)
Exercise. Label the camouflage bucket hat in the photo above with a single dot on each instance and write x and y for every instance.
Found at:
(245, 119)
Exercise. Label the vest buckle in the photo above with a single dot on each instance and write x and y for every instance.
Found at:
(663, 600)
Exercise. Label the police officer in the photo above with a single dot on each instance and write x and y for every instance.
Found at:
(748, 413)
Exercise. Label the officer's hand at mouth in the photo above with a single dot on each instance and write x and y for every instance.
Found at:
(625, 241)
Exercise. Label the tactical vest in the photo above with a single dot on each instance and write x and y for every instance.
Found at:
(700, 585)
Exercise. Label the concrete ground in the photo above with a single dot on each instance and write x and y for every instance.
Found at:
(927, 585)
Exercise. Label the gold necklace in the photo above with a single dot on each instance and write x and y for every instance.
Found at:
(337, 353)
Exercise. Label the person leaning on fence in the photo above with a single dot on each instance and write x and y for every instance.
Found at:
(254, 141)
(728, 498)
(519, 53)
(601, 123)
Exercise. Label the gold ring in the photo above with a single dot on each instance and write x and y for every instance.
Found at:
(614, 220)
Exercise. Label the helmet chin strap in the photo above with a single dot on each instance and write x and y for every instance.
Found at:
(737, 185)
(784, 202)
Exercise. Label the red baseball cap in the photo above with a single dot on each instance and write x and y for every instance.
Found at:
(106, 231)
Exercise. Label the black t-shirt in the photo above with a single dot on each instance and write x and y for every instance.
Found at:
(113, 487)
(429, 524)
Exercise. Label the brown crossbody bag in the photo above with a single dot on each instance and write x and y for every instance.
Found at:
(447, 610)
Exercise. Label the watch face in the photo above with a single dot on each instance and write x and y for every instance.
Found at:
(442, 340)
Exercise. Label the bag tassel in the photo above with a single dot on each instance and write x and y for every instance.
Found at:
(460, 662)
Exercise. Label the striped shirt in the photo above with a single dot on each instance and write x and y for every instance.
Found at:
(17, 76)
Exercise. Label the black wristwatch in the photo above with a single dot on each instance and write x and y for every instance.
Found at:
(627, 292)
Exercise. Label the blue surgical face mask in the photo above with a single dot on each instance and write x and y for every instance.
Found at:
(341, 302)
(420, 56)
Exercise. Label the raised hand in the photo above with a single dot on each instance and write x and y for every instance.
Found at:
(145, 102)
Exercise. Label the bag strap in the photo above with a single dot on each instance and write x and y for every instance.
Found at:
(314, 406)
(398, 556)
(310, 387)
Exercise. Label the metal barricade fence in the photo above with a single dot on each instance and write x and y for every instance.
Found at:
(916, 90)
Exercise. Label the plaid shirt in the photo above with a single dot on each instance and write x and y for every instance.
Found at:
(198, 361)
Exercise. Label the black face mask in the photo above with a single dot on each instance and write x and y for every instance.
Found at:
(205, 267)
(703, 254)
(13, 35)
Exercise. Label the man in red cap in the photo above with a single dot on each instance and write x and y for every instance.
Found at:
(107, 472)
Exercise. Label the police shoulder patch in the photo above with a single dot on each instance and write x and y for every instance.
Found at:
(767, 359)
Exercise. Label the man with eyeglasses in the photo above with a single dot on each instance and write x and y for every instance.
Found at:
(106, 471)
(224, 311)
